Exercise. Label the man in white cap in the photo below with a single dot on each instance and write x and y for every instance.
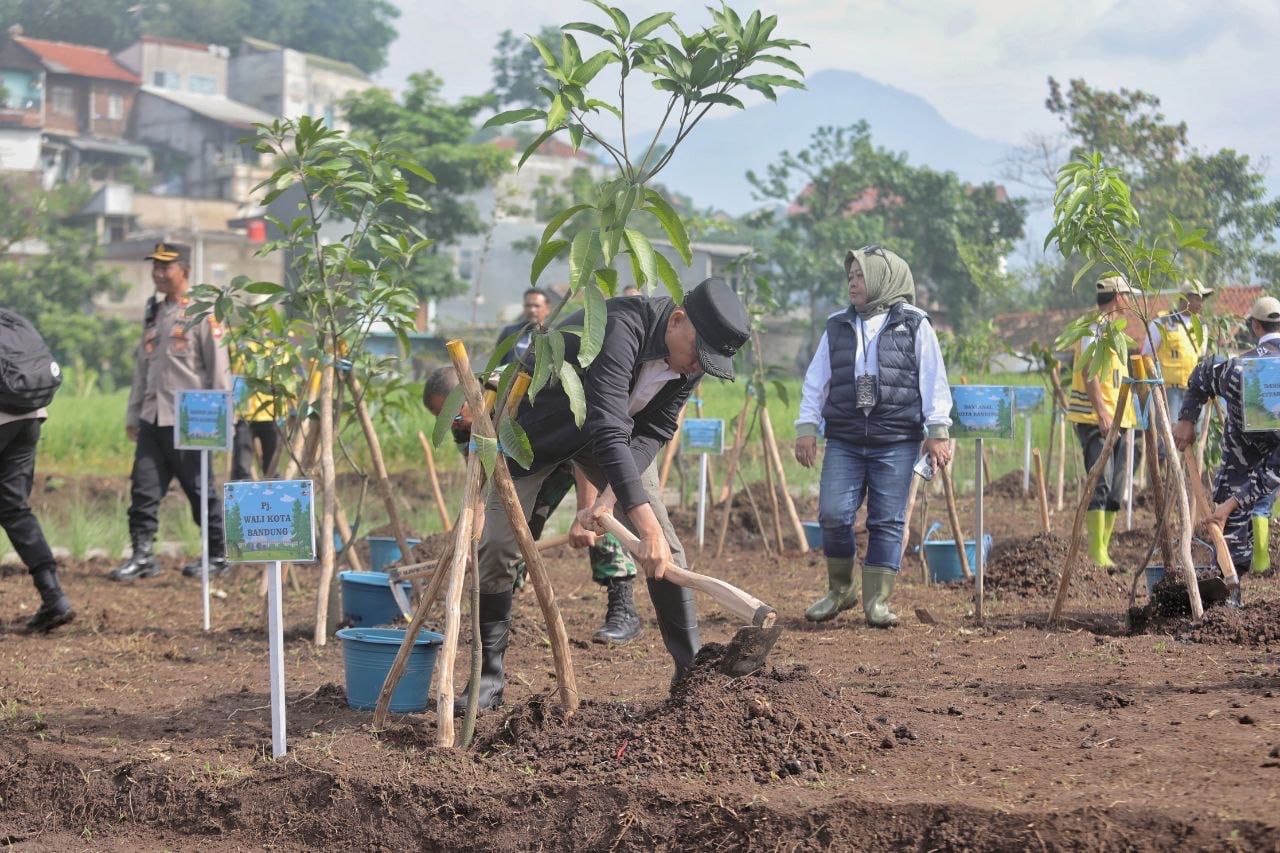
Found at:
(1177, 341)
(1250, 468)
(1092, 407)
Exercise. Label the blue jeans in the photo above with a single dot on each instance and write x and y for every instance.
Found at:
(1262, 509)
(880, 475)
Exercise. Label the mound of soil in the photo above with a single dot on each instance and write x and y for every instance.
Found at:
(1009, 486)
(762, 727)
(1169, 612)
(1031, 567)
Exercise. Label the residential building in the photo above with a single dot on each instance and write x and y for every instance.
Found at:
(178, 66)
(84, 111)
(290, 84)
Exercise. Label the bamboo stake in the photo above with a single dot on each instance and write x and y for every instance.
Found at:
(1040, 490)
(1062, 459)
(1144, 367)
(328, 482)
(477, 652)
(755, 511)
(445, 520)
(566, 681)
(911, 508)
(381, 477)
(771, 447)
(1095, 473)
(452, 609)
(924, 519)
(739, 438)
(1184, 508)
(773, 495)
(953, 516)
(672, 446)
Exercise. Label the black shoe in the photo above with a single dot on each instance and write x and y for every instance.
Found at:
(141, 565)
(218, 566)
(51, 615)
(621, 622)
(495, 634)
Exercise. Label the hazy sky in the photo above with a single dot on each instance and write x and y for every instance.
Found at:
(983, 64)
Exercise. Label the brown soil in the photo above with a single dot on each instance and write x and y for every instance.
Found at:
(131, 729)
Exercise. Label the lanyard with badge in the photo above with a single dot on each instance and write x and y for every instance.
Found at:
(867, 385)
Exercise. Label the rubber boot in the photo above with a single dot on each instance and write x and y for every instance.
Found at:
(495, 634)
(621, 622)
(677, 622)
(1109, 528)
(218, 566)
(842, 591)
(1261, 544)
(55, 609)
(1096, 522)
(877, 586)
(141, 565)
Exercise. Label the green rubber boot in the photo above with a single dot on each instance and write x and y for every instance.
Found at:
(1109, 516)
(877, 586)
(842, 591)
(1096, 522)
(1261, 544)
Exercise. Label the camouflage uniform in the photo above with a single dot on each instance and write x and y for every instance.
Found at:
(1250, 460)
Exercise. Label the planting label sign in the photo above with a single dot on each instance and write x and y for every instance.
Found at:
(1260, 383)
(269, 521)
(702, 435)
(1027, 398)
(203, 420)
(981, 411)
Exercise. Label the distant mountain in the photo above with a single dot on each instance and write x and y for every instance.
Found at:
(712, 163)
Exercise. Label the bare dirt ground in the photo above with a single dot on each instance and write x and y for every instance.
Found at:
(131, 729)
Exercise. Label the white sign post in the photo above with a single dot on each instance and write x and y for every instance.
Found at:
(703, 436)
(1026, 399)
(202, 421)
(271, 521)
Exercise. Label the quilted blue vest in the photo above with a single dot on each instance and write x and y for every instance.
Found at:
(898, 415)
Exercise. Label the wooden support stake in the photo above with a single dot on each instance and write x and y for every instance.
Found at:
(953, 516)
(739, 438)
(566, 681)
(453, 608)
(672, 447)
(924, 519)
(771, 447)
(911, 508)
(1040, 490)
(445, 521)
(381, 478)
(773, 495)
(1095, 473)
(1062, 460)
(1184, 508)
(328, 482)
(755, 511)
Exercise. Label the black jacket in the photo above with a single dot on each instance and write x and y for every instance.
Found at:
(507, 331)
(622, 446)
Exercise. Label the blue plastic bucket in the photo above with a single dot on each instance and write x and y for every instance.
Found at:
(944, 562)
(367, 600)
(367, 655)
(1154, 575)
(385, 550)
(813, 534)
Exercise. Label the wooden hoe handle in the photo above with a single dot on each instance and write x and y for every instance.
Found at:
(1206, 512)
(746, 607)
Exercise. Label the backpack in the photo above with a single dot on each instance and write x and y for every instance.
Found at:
(29, 376)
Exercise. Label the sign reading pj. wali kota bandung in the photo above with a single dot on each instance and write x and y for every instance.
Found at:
(269, 521)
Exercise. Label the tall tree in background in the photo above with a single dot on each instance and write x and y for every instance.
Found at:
(843, 192)
(519, 70)
(355, 31)
(441, 136)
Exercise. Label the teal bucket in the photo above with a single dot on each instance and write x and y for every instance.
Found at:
(944, 562)
(367, 600)
(367, 655)
(385, 550)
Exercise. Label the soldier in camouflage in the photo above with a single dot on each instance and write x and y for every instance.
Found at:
(1250, 460)
(611, 566)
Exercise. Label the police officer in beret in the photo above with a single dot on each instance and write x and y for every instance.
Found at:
(170, 358)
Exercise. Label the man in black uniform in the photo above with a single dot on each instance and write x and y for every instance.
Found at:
(170, 358)
(537, 305)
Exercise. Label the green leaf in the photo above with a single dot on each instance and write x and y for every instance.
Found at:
(719, 98)
(642, 251)
(594, 325)
(487, 447)
(607, 279)
(593, 29)
(671, 223)
(510, 117)
(264, 288)
(619, 19)
(533, 147)
(515, 443)
(452, 405)
(670, 279)
(782, 61)
(586, 72)
(560, 219)
(547, 252)
(780, 387)
(542, 366)
(548, 58)
(557, 113)
(582, 257)
(649, 24)
(595, 104)
(572, 385)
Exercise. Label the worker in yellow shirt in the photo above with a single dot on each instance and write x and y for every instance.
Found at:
(1177, 342)
(1092, 407)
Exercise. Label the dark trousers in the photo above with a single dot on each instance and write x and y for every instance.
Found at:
(1110, 489)
(242, 450)
(17, 469)
(155, 464)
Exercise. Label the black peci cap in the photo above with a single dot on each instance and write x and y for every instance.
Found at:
(721, 323)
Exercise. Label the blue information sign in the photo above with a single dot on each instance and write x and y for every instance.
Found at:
(702, 435)
(202, 420)
(269, 521)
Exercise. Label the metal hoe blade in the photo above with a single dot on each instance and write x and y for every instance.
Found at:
(748, 649)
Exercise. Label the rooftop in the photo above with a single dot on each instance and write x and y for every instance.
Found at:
(551, 148)
(218, 108)
(60, 57)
